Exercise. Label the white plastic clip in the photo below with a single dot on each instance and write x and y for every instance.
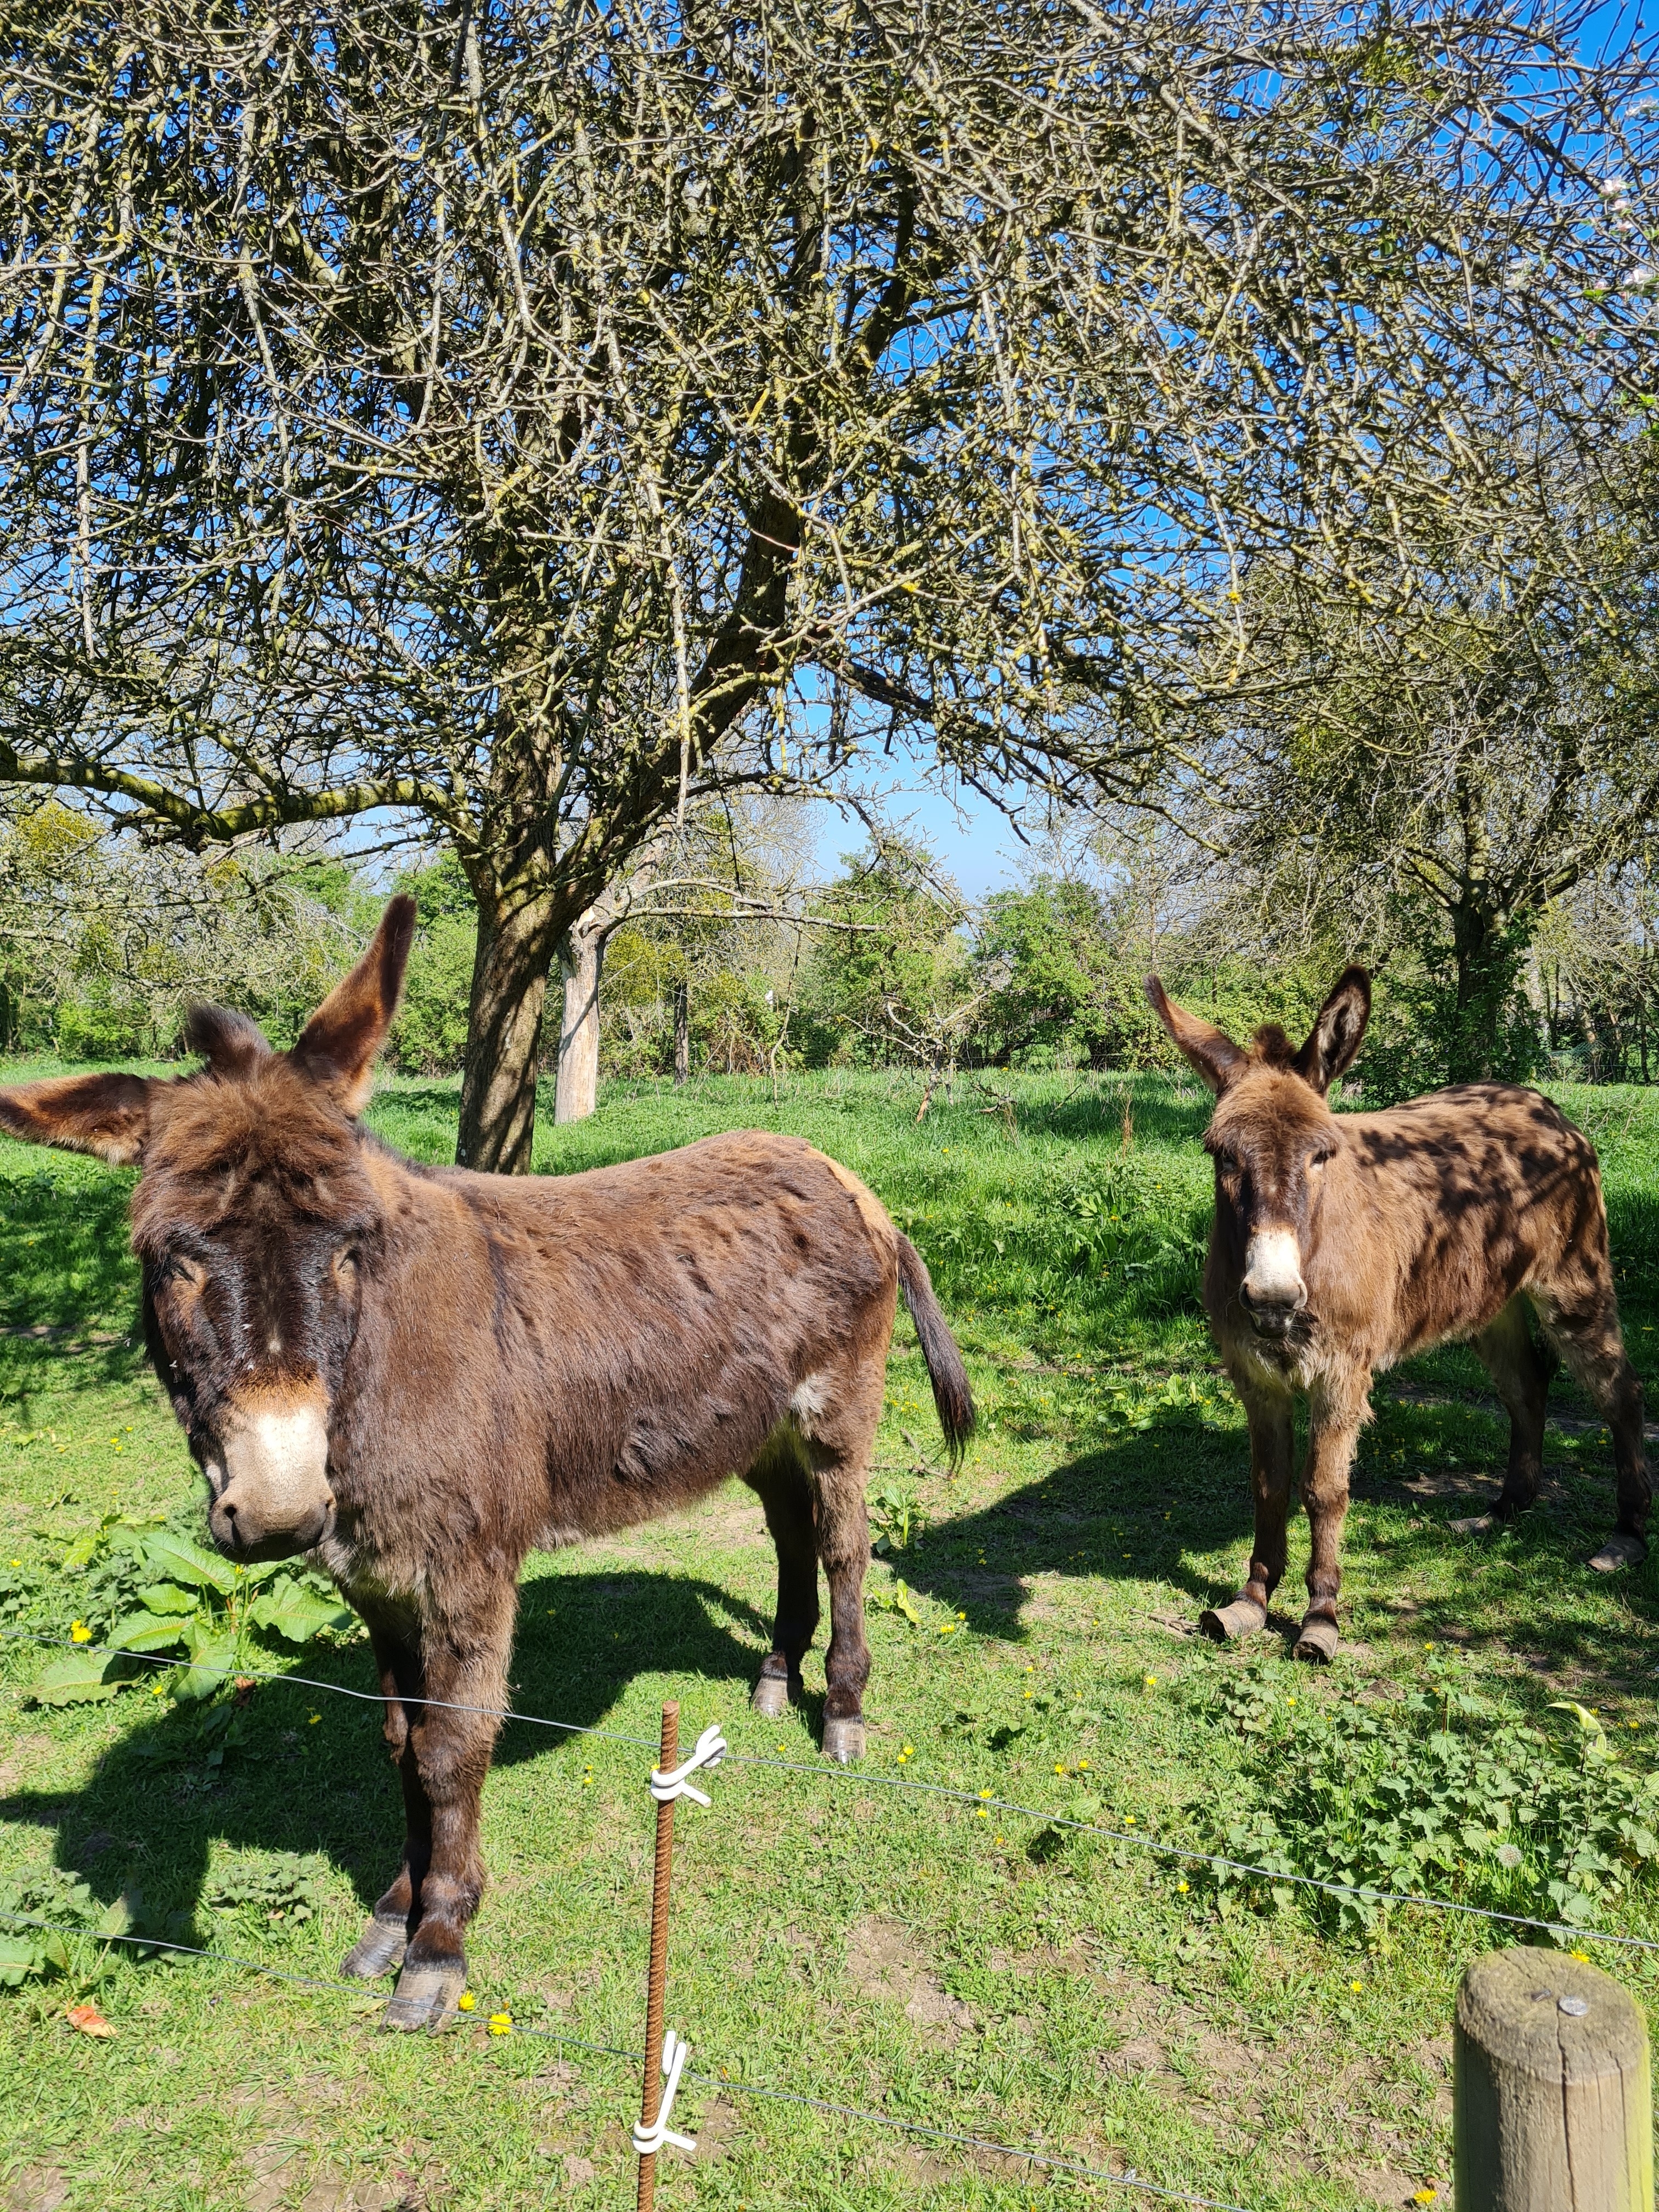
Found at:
(709, 1752)
(648, 2140)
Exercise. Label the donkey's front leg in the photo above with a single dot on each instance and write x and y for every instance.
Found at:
(1334, 1418)
(464, 1668)
(1269, 1414)
(380, 1946)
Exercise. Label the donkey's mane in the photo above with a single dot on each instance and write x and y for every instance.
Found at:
(1272, 1047)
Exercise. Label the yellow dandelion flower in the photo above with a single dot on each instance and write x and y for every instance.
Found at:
(1059, 1770)
(1425, 2197)
(79, 1632)
(984, 1812)
(1151, 1682)
(1184, 1886)
(984, 1793)
(18, 1563)
(1356, 1987)
(466, 2000)
(313, 1719)
(1583, 1957)
(1128, 1819)
(1290, 1701)
(501, 2023)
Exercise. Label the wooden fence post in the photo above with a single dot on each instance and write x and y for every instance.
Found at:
(1552, 2102)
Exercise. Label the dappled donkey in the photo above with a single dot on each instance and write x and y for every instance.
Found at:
(1342, 1243)
(416, 1374)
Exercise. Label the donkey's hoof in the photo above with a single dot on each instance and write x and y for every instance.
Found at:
(843, 1740)
(772, 1697)
(426, 1996)
(1318, 1641)
(1620, 1550)
(376, 1951)
(1225, 1623)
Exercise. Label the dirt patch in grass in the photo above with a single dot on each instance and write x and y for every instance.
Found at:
(884, 1962)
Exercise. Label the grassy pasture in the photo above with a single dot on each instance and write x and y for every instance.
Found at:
(1032, 1637)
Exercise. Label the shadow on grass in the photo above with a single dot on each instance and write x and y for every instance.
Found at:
(302, 1771)
(1140, 1509)
(65, 1263)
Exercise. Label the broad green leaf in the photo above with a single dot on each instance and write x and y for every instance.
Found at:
(75, 1679)
(295, 1613)
(123, 1916)
(261, 1571)
(183, 1561)
(168, 1597)
(214, 1658)
(145, 1632)
(905, 1604)
(79, 1553)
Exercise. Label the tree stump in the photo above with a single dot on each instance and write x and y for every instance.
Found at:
(1552, 2106)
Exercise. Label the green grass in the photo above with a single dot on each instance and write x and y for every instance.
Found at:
(878, 1949)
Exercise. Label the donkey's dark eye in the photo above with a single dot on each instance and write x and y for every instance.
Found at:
(178, 1267)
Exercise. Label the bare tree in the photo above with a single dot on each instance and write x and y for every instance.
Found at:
(1457, 757)
(489, 415)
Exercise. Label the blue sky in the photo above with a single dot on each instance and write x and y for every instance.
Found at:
(971, 839)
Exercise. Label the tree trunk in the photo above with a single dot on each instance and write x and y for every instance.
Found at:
(504, 1030)
(682, 1032)
(581, 959)
(1480, 969)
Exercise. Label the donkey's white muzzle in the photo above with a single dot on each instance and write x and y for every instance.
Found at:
(272, 1494)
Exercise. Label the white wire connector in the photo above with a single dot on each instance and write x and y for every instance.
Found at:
(648, 2140)
(709, 1752)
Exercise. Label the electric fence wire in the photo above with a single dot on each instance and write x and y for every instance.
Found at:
(860, 1777)
(985, 2145)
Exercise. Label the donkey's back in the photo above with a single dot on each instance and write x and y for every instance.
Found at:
(1461, 1200)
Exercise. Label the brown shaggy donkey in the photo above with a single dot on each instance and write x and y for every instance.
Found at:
(414, 1374)
(1343, 1244)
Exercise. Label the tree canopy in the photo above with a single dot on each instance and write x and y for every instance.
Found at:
(520, 419)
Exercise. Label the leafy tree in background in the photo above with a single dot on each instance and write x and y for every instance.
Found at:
(486, 416)
(1064, 988)
(893, 982)
(429, 1035)
(105, 942)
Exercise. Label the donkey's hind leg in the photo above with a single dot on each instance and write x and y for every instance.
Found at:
(1521, 1371)
(1580, 1312)
(844, 1530)
(782, 1480)
(839, 1428)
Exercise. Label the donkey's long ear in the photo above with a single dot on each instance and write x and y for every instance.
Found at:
(1210, 1052)
(105, 1115)
(340, 1040)
(1338, 1028)
(229, 1042)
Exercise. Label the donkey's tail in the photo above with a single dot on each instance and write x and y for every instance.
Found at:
(949, 1377)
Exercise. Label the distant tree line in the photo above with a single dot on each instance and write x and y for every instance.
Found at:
(739, 964)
